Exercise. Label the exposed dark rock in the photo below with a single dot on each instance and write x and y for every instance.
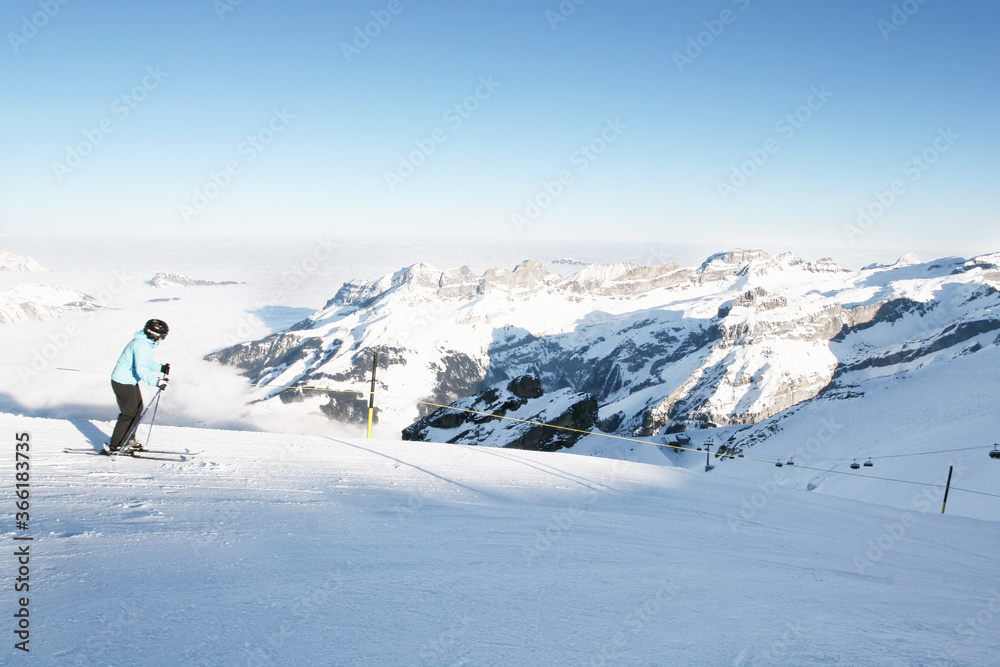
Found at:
(760, 299)
(457, 375)
(580, 416)
(280, 349)
(485, 425)
(361, 364)
(348, 408)
(887, 313)
(525, 386)
(951, 336)
(611, 424)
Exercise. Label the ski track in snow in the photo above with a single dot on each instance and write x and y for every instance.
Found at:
(304, 549)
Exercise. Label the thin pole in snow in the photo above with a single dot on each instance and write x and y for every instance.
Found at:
(371, 396)
(946, 488)
(708, 459)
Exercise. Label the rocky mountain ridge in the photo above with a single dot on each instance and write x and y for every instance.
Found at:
(734, 341)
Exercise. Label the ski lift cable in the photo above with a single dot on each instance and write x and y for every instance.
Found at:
(690, 449)
(940, 451)
(901, 481)
(896, 456)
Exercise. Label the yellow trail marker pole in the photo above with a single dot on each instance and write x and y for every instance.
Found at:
(371, 396)
(946, 487)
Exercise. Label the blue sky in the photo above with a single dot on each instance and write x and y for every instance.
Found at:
(739, 122)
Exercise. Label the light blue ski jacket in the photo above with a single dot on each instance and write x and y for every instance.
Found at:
(136, 362)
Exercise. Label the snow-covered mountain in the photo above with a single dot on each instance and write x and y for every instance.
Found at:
(12, 262)
(177, 280)
(735, 341)
(42, 302)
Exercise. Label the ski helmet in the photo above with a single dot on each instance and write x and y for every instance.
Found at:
(156, 329)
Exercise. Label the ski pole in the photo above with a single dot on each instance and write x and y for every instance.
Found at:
(152, 420)
(131, 433)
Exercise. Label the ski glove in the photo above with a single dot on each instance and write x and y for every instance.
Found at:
(162, 384)
(165, 369)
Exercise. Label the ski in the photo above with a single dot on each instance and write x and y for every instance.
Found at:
(83, 450)
(176, 457)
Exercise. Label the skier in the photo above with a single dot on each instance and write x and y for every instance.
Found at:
(135, 364)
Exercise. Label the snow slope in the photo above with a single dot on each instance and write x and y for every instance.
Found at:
(296, 549)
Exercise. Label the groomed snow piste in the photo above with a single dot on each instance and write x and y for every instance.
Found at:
(298, 549)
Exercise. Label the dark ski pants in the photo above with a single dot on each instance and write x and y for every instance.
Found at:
(129, 399)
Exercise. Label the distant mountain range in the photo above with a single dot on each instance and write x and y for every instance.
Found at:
(42, 302)
(11, 262)
(658, 350)
(176, 280)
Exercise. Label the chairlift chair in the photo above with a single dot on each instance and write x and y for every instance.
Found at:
(790, 462)
(995, 454)
(868, 463)
(855, 465)
(778, 463)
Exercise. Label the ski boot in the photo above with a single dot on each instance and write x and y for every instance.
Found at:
(135, 446)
